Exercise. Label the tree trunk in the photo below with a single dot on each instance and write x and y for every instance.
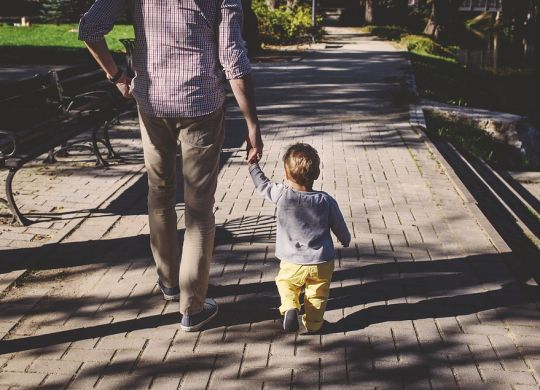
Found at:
(499, 18)
(292, 4)
(443, 13)
(369, 16)
(272, 3)
(433, 27)
(250, 31)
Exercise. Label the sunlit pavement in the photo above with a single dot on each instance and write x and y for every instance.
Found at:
(423, 298)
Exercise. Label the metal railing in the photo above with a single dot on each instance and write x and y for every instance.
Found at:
(481, 5)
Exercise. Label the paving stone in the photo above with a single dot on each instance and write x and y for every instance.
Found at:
(54, 366)
(30, 379)
(121, 343)
(510, 377)
(88, 355)
(124, 381)
(57, 381)
(18, 363)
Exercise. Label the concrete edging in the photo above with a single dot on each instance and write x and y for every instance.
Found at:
(417, 122)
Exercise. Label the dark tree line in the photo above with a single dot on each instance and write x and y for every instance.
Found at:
(443, 14)
(519, 12)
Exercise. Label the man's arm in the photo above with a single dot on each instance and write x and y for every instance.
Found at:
(245, 96)
(100, 51)
(233, 57)
(94, 25)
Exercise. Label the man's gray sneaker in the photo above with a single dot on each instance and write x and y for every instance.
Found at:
(169, 293)
(290, 321)
(194, 322)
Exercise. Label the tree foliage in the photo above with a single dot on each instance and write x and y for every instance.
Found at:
(10, 8)
(283, 23)
(64, 11)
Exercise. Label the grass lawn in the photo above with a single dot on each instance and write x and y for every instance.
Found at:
(441, 77)
(51, 43)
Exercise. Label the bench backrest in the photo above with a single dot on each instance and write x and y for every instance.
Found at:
(27, 102)
(73, 81)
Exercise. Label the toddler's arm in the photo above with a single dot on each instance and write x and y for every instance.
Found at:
(338, 225)
(271, 191)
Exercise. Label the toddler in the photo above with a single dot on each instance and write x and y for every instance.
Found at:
(303, 244)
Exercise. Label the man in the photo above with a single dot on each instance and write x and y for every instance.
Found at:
(182, 50)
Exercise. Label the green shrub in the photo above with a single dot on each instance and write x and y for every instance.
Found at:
(283, 24)
(426, 46)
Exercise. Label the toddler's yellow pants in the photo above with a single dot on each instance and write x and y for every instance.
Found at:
(316, 282)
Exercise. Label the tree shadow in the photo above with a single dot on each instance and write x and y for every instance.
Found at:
(136, 249)
(435, 289)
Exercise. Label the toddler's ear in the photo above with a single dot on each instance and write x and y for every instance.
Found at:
(317, 174)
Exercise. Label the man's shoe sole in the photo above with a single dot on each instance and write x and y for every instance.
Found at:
(171, 297)
(197, 327)
(168, 297)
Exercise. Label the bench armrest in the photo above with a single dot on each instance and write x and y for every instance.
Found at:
(85, 97)
(12, 139)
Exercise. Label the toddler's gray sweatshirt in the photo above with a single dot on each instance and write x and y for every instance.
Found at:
(304, 221)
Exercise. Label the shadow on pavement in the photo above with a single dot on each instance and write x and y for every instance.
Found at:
(431, 289)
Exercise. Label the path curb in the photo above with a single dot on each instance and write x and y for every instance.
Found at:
(417, 121)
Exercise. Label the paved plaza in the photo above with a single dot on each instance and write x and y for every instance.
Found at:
(425, 297)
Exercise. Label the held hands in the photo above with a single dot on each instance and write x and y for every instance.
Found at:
(252, 156)
(255, 145)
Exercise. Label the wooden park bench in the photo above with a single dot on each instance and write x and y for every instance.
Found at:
(47, 114)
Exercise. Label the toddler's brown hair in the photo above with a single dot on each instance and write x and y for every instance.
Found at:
(302, 163)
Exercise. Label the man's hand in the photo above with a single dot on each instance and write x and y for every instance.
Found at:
(124, 86)
(100, 51)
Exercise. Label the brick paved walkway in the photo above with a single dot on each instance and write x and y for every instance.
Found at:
(57, 197)
(423, 299)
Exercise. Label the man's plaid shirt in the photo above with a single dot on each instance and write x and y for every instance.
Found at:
(182, 50)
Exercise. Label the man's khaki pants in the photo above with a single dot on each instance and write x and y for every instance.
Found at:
(201, 139)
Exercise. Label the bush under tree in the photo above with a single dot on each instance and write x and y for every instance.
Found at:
(283, 22)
